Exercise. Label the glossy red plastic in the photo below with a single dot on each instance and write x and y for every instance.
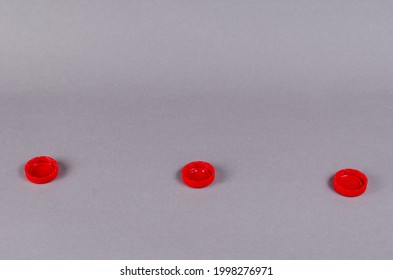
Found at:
(198, 174)
(41, 170)
(350, 182)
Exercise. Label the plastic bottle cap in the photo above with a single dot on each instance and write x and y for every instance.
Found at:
(350, 182)
(198, 174)
(41, 170)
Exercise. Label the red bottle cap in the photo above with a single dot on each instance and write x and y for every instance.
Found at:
(41, 170)
(350, 182)
(198, 174)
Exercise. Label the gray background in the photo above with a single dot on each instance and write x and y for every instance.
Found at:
(278, 95)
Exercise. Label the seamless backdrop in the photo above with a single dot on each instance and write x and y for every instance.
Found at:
(278, 95)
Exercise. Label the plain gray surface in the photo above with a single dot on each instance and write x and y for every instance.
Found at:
(278, 95)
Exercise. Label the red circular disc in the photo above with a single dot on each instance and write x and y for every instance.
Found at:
(198, 174)
(41, 170)
(350, 182)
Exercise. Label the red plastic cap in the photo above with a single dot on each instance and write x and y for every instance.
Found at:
(41, 170)
(350, 182)
(198, 174)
